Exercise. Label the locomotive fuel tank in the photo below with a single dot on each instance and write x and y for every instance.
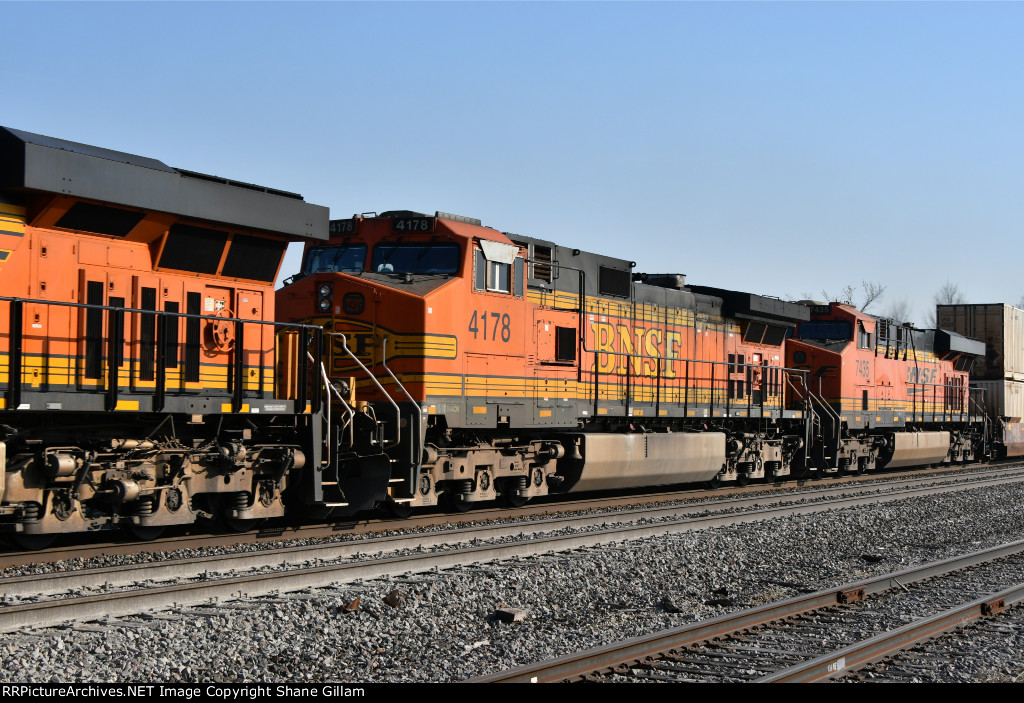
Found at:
(616, 461)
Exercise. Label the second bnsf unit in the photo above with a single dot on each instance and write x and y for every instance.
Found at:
(507, 366)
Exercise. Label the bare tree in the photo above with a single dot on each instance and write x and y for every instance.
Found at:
(949, 294)
(845, 295)
(872, 292)
(898, 310)
(789, 298)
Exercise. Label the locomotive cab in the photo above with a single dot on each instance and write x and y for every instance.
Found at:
(422, 314)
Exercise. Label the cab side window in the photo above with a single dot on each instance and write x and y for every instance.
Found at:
(498, 268)
(863, 337)
(498, 277)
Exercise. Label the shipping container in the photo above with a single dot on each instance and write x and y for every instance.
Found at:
(1000, 327)
(1003, 399)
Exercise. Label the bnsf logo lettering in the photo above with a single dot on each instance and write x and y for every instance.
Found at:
(363, 342)
(636, 343)
(922, 375)
(360, 344)
(353, 303)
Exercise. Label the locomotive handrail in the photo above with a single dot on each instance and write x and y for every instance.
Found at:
(711, 399)
(980, 407)
(834, 416)
(808, 408)
(946, 414)
(169, 313)
(328, 387)
(350, 411)
(369, 374)
(415, 458)
(115, 340)
(984, 413)
(384, 363)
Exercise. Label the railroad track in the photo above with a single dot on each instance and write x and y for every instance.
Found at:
(84, 594)
(972, 652)
(812, 637)
(81, 548)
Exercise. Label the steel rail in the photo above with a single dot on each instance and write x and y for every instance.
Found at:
(578, 665)
(202, 567)
(859, 655)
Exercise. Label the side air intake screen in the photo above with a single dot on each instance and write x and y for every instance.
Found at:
(195, 249)
(100, 219)
(255, 258)
(614, 282)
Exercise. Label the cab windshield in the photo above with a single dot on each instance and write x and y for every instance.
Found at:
(836, 331)
(422, 258)
(346, 258)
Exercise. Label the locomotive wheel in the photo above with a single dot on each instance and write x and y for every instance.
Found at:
(31, 542)
(742, 479)
(315, 514)
(146, 532)
(514, 500)
(397, 510)
(457, 503)
(715, 482)
(244, 524)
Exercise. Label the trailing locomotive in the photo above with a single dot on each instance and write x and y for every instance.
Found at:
(886, 394)
(150, 375)
(141, 383)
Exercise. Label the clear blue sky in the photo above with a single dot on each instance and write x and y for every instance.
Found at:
(778, 148)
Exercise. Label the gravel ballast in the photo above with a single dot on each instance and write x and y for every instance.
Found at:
(452, 625)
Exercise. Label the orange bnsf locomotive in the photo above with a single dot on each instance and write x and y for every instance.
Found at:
(507, 366)
(141, 384)
(886, 394)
